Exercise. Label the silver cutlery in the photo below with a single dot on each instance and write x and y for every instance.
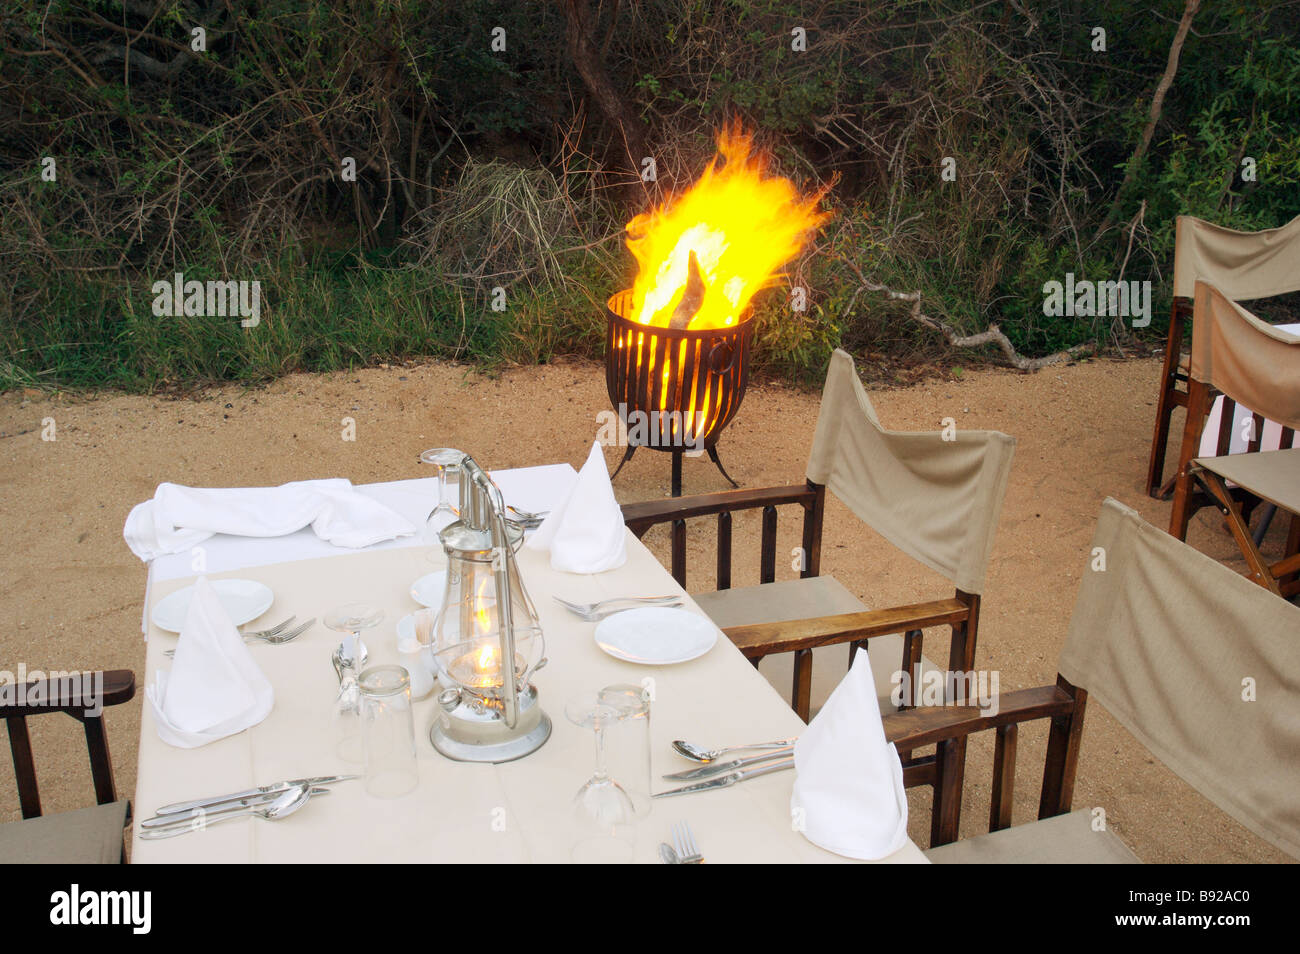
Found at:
(667, 855)
(725, 781)
(698, 753)
(275, 640)
(594, 612)
(684, 842)
(528, 514)
(282, 807)
(274, 630)
(721, 768)
(274, 788)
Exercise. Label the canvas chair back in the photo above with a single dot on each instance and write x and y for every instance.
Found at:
(1249, 360)
(936, 499)
(1200, 664)
(1243, 265)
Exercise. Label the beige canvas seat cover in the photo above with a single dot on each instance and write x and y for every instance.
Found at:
(1199, 663)
(1244, 265)
(937, 500)
(1255, 364)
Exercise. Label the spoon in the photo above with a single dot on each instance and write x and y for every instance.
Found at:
(667, 855)
(283, 806)
(698, 753)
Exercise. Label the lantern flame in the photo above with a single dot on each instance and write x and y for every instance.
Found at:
(742, 226)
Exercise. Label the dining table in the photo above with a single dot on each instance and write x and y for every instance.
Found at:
(518, 811)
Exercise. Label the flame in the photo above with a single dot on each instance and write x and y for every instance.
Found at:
(743, 226)
(487, 658)
(484, 601)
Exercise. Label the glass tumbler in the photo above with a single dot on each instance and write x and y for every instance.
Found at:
(627, 742)
(388, 731)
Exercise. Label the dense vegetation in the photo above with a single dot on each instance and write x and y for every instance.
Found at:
(479, 168)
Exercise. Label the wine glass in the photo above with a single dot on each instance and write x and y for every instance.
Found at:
(603, 809)
(348, 658)
(447, 460)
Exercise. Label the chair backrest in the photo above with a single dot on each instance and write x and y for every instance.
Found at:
(1200, 664)
(1245, 265)
(1249, 360)
(936, 495)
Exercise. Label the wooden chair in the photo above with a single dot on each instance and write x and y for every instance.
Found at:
(936, 499)
(1253, 364)
(1193, 660)
(88, 835)
(1245, 265)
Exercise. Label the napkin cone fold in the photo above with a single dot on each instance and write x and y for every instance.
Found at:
(214, 688)
(848, 792)
(585, 533)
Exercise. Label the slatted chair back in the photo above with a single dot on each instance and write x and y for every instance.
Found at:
(1245, 266)
(1191, 658)
(1250, 363)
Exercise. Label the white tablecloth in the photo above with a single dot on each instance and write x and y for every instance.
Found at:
(515, 812)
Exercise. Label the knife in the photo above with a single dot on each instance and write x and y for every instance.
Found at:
(729, 779)
(273, 789)
(721, 768)
(173, 825)
(219, 810)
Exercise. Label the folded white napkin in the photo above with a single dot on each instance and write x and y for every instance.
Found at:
(585, 533)
(848, 794)
(214, 688)
(179, 517)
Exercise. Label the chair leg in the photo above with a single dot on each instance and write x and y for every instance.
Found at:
(1166, 402)
(1198, 407)
(101, 762)
(801, 692)
(1062, 760)
(945, 814)
(1004, 777)
(20, 745)
(1232, 513)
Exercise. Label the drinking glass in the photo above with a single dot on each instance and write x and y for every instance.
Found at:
(388, 731)
(447, 460)
(604, 810)
(350, 618)
(627, 742)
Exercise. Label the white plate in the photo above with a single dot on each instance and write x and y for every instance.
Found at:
(427, 590)
(656, 635)
(243, 601)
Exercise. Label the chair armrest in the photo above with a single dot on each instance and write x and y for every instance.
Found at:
(917, 728)
(762, 639)
(643, 515)
(74, 695)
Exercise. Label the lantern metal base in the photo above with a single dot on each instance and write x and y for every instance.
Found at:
(474, 732)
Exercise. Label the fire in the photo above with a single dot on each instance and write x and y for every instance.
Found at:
(742, 226)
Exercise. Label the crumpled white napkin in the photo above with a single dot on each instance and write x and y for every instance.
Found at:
(848, 793)
(179, 517)
(585, 533)
(214, 689)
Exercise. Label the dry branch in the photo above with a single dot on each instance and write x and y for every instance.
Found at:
(956, 339)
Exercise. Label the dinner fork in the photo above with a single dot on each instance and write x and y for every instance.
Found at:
(684, 841)
(272, 640)
(594, 612)
(528, 514)
(274, 630)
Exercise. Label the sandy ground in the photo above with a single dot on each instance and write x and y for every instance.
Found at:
(71, 591)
